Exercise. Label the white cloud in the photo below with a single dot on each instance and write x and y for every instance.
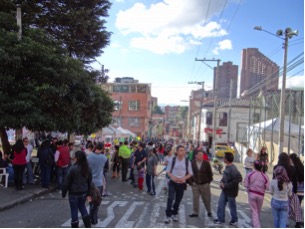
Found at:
(293, 82)
(178, 24)
(222, 45)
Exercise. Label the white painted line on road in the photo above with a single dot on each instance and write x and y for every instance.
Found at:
(110, 213)
(124, 223)
(182, 218)
(68, 222)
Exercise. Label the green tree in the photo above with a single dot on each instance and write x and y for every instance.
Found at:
(157, 110)
(78, 25)
(42, 88)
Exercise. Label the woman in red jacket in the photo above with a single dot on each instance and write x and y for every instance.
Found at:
(19, 162)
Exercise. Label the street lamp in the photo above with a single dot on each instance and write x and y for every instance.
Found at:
(288, 34)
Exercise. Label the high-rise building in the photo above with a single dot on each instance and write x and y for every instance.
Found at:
(258, 72)
(227, 72)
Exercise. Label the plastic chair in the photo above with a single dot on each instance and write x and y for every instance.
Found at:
(5, 174)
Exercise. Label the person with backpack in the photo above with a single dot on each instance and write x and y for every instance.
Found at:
(256, 183)
(179, 170)
(229, 191)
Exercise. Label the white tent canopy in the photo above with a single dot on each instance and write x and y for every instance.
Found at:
(266, 133)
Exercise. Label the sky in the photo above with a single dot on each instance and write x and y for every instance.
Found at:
(157, 41)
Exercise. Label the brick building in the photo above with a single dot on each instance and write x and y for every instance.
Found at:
(133, 104)
(227, 72)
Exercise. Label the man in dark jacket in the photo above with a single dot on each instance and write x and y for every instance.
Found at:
(229, 185)
(201, 179)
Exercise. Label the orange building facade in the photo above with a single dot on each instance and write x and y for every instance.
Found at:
(133, 105)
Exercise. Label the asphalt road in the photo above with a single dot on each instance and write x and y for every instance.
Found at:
(128, 207)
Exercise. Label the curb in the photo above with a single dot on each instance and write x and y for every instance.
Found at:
(25, 198)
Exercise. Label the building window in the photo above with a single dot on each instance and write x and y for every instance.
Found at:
(116, 121)
(121, 88)
(209, 118)
(134, 105)
(223, 119)
(134, 121)
(117, 105)
(141, 88)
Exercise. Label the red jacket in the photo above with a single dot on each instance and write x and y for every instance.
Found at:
(64, 156)
(20, 158)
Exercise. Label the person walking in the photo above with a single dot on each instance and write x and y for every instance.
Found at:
(249, 160)
(46, 163)
(179, 170)
(139, 164)
(62, 160)
(77, 183)
(263, 156)
(124, 154)
(28, 176)
(161, 151)
(151, 171)
(295, 210)
(115, 162)
(229, 191)
(18, 157)
(201, 179)
(97, 161)
(281, 190)
(256, 183)
(299, 168)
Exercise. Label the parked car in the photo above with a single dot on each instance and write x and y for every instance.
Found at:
(221, 150)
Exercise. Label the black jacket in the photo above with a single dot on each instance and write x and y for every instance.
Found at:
(204, 174)
(231, 179)
(75, 182)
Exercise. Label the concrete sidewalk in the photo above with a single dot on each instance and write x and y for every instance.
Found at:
(11, 197)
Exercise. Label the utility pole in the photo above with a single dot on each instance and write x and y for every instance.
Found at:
(288, 34)
(215, 97)
(229, 113)
(200, 108)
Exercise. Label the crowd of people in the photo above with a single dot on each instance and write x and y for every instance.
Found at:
(82, 175)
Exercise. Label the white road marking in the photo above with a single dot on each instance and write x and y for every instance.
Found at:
(68, 222)
(124, 223)
(110, 213)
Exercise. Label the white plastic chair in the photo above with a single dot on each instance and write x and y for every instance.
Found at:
(5, 174)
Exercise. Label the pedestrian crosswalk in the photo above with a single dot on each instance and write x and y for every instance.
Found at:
(135, 210)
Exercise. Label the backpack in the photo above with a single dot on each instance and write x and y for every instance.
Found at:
(188, 181)
(50, 158)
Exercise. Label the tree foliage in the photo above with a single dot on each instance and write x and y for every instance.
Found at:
(41, 87)
(157, 110)
(79, 25)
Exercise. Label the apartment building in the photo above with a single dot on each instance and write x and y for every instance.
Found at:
(133, 104)
(258, 72)
(227, 73)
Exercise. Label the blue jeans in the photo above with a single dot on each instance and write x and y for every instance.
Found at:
(94, 208)
(45, 176)
(77, 202)
(28, 176)
(222, 202)
(150, 183)
(175, 193)
(61, 173)
(279, 212)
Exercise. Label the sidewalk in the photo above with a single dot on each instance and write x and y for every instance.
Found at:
(11, 198)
